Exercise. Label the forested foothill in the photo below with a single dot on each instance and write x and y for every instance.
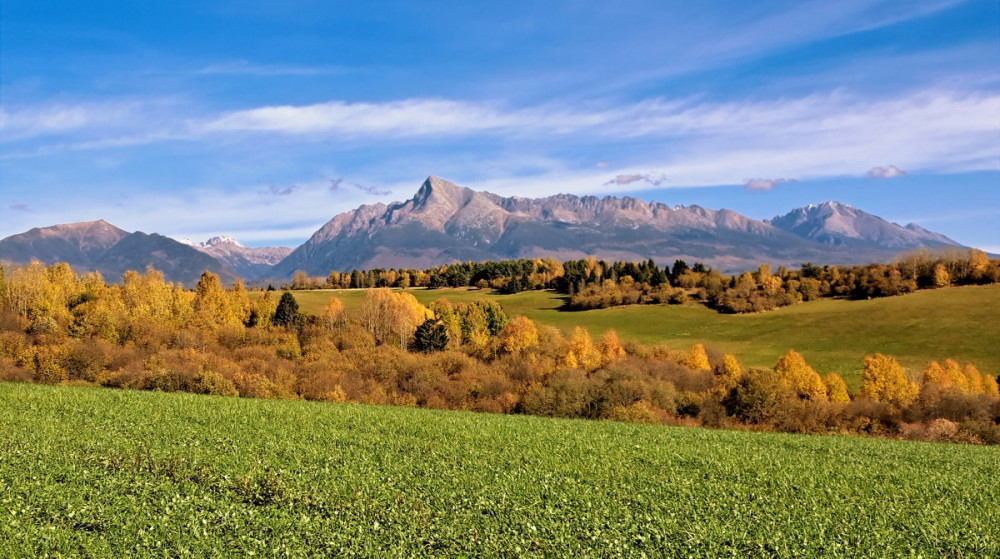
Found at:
(57, 326)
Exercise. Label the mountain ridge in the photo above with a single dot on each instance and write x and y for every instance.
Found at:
(444, 222)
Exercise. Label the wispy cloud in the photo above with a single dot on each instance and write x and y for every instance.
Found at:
(761, 185)
(339, 183)
(634, 178)
(889, 172)
(709, 142)
(275, 190)
(19, 207)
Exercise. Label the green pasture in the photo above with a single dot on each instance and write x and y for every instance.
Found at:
(962, 323)
(88, 472)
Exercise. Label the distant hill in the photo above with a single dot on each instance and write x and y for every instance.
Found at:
(247, 262)
(77, 244)
(444, 222)
(100, 246)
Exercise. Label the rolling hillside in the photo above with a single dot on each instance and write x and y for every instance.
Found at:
(833, 335)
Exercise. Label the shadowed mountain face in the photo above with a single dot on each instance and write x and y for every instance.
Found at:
(100, 246)
(443, 223)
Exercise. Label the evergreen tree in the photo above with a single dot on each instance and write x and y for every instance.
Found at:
(287, 312)
(431, 335)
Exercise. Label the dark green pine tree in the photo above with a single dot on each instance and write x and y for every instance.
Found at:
(287, 312)
(430, 336)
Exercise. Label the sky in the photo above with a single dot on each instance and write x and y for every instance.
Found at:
(263, 120)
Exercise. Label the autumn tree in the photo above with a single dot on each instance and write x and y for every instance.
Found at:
(836, 389)
(727, 376)
(333, 312)
(940, 276)
(800, 377)
(611, 348)
(212, 305)
(973, 378)
(519, 335)
(697, 358)
(391, 317)
(990, 387)
(581, 352)
(883, 380)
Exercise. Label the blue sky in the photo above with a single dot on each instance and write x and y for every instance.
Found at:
(263, 120)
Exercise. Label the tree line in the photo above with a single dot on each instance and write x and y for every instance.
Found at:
(57, 326)
(591, 283)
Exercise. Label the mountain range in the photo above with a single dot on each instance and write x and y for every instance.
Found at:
(444, 223)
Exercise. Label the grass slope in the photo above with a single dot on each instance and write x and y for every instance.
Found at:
(833, 335)
(104, 473)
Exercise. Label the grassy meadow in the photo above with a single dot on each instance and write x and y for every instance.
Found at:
(109, 473)
(833, 335)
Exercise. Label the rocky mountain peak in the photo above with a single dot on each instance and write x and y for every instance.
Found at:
(222, 240)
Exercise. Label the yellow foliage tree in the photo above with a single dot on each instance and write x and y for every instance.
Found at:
(581, 352)
(974, 379)
(934, 374)
(940, 275)
(955, 376)
(800, 377)
(391, 317)
(978, 261)
(212, 305)
(697, 359)
(727, 377)
(990, 387)
(611, 347)
(333, 312)
(519, 335)
(883, 380)
(836, 389)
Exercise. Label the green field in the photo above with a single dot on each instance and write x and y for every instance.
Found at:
(107, 473)
(833, 335)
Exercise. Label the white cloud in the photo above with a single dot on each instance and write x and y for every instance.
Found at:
(760, 185)
(694, 143)
(889, 172)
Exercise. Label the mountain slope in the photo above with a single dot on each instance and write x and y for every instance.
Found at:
(77, 244)
(100, 246)
(444, 222)
(178, 262)
(838, 224)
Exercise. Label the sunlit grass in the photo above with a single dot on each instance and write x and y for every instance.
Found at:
(107, 473)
